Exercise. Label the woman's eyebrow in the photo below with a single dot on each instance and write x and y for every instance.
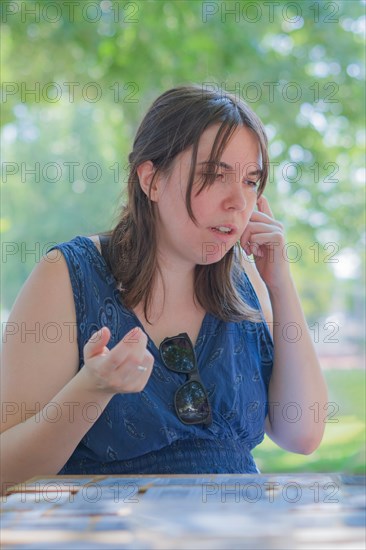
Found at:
(257, 172)
(220, 164)
(226, 166)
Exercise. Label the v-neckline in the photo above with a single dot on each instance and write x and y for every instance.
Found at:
(151, 341)
(131, 312)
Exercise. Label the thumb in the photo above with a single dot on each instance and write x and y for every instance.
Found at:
(96, 343)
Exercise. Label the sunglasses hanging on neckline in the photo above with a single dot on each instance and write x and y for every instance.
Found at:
(191, 400)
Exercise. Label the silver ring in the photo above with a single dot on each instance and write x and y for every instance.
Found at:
(142, 368)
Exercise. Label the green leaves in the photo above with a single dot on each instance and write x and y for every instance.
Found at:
(78, 77)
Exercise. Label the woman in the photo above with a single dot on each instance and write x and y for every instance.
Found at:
(171, 367)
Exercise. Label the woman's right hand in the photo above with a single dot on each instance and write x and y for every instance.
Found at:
(116, 370)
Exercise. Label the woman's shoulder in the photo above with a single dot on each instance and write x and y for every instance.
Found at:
(78, 241)
(85, 264)
(95, 239)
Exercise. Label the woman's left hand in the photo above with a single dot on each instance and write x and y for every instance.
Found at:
(264, 238)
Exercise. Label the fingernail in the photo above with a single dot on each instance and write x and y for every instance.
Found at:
(132, 335)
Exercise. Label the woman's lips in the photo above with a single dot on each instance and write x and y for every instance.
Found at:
(231, 226)
(223, 236)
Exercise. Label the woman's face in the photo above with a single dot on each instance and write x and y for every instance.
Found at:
(229, 201)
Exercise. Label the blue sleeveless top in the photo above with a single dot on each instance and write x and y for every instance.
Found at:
(140, 433)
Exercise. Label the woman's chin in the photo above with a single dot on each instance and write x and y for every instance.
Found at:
(214, 252)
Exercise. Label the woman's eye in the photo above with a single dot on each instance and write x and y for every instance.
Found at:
(251, 183)
(214, 175)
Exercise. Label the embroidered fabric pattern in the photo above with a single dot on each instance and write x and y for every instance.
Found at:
(140, 433)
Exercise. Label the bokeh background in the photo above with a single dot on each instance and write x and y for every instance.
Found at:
(77, 78)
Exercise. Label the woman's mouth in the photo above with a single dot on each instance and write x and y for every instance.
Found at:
(224, 229)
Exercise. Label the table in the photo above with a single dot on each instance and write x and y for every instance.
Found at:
(264, 511)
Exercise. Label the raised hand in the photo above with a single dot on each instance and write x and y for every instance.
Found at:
(124, 369)
(264, 238)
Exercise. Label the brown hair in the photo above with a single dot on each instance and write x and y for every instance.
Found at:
(174, 122)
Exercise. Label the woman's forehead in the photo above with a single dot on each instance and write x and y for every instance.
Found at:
(239, 135)
(242, 146)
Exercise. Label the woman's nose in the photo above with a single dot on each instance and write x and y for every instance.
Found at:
(236, 198)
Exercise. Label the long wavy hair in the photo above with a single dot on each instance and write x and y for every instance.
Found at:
(174, 122)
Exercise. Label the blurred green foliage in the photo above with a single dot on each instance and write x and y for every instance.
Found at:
(343, 445)
(77, 77)
(94, 68)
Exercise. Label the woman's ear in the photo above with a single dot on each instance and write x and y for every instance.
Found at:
(145, 172)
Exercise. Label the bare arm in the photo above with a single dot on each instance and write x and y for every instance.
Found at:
(43, 394)
(297, 390)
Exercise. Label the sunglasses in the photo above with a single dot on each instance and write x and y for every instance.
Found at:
(191, 400)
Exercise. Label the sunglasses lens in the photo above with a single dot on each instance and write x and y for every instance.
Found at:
(178, 355)
(191, 403)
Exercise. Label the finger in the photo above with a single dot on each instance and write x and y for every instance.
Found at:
(260, 227)
(262, 217)
(138, 371)
(131, 346)
(263, 239)
(147, 360)
(141, 368)
(255, 250)
(96, 343)
(254, 228)
(256, 240)
(263, 206)
(134, 336)
(147, 363)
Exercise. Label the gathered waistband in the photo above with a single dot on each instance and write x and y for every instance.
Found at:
(184, 456)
